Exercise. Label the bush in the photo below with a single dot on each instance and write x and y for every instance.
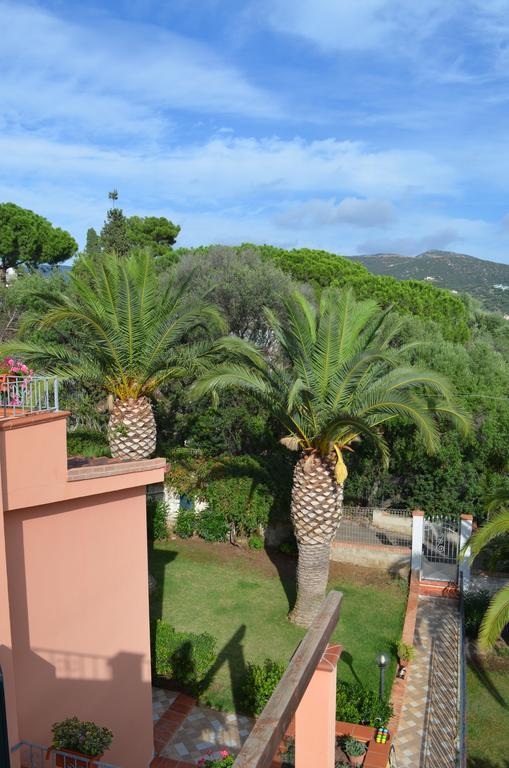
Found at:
(224, 761)
(355, 704)
(156, 519)
(289, 547)
(211, 525)
(183, 656)
(82, 442)
(81, 736)
(475, 603)
(406, 652)
(259, 684)
(256, 542)
(185, 523)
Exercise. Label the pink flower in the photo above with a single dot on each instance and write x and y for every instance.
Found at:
(9, 361)
(224, 753)
(15, 369)
(24, 369)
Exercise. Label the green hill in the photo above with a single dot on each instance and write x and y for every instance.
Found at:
(487, 281)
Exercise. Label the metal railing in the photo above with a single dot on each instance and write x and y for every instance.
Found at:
(462, 683)
(21, 396)
(374, 526)
(35, 755)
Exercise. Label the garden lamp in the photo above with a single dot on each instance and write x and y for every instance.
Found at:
(382, 662)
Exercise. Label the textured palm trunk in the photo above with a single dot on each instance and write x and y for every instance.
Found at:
(132, 429)
(316, 511)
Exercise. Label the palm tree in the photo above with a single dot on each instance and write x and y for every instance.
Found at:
(497, 616)
(124, 330)
(338, 379)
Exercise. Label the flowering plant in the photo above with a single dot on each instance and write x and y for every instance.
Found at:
(13, 380)
(11, 367)
(225, 760)
(81, 736)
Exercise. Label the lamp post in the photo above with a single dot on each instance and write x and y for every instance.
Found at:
(382, 661)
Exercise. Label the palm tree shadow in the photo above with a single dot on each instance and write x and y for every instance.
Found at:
(347, 658)
(232, 654)
(479, 670)
(286, 566)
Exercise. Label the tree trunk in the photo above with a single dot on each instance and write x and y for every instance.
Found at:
(316, 512)
(132, 429)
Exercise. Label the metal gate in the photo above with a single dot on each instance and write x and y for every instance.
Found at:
(440, 548)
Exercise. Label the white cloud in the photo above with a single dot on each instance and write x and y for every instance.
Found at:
(351, 210)
(411, 245)
(112, 78)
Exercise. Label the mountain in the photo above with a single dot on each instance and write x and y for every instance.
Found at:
(487, 281)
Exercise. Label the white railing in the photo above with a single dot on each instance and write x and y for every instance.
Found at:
(22, 396)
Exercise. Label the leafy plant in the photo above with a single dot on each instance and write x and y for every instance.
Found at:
(288, 547)
(256, 542)
(81, 736)
(156, 519)
(260, 683)
(355, 704)
(185, 523)
(211, 525)
(225, 760)
(406, 652)
(475, 604)
(183, 656)
(353, 747)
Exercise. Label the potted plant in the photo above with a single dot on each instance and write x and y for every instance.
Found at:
(225, 760)
(355, 750)
(81, 739)
(406, 653)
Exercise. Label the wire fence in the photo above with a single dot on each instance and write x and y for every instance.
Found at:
(375, 526)
(33, 755)
(22, 396)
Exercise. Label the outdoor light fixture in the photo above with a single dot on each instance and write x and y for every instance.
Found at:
(382, 662)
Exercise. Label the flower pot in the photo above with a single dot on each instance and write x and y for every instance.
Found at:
(74, 760)
(356, 759)
(403, 663)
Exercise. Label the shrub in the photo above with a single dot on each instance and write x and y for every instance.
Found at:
(82, 442)
(406, 652)
(240, 495)
(256, 542)
(156, 519)
(475, 603)
(353, 747)
(289, 547)
(355, 704)
(185, 523)
(211, 525)
(259, 684)
(183, 656)
(81, 736)
(224, 761)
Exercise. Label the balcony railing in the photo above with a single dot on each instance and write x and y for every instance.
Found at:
(22, 396)
(34, 756)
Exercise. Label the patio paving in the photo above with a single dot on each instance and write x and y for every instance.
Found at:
(428, 724)
(185, 732)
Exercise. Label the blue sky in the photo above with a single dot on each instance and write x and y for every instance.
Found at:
(352, 125)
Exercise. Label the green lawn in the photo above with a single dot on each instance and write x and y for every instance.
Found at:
(487, 718)
(243, 598)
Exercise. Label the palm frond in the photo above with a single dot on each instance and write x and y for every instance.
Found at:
(495, 619)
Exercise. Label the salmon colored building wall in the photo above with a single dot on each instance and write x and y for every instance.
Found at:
(75, 636)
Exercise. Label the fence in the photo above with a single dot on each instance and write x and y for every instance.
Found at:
(34, 756)
(35, 394)
(375, 537)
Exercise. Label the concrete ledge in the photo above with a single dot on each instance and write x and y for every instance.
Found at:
(89, 471)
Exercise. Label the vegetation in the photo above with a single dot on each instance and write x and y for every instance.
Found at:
(487, 711)
(496, 617)
(339, 377)
(81, 736)
(29, 239)
(185, 657)
(241, 597)
(260, 683)
(406, 652)
(357, 704)
(353, 747)
(157, 528)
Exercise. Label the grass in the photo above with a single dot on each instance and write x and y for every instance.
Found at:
(487, 717)
(243, 598)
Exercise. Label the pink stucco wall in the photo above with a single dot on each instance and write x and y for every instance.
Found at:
(76, 630)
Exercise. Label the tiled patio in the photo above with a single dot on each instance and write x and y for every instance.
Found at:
(185, 732)
(428, 717)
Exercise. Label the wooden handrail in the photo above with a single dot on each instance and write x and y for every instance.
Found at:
(270, 728)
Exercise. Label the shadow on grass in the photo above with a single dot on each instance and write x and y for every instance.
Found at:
(232, 654)
(484, 678)
(286, 566)
(158, 559)
(482, 762)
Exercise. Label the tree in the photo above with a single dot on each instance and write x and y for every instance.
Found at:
(496, 617)
(27, 238)
(93, 244)
(154, 232)
(130, 335)
(338, 380)
(114, 232)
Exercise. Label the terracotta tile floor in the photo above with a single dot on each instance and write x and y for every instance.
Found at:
(184, 732)
(427, 728)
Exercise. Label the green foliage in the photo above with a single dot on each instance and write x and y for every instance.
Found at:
(409, 296)
(81, 736)
(355, 704)
(27, 238)
(183, 656)
(114, 233)
(476, 604)
(260, 683)
(406, 651)
(256, 542)
(185, 523)
(225, 761)
(211, 525)
(82, 442)
(156, 233)
(156, 519)
(289, 547)
(353, 747)
(93, 243)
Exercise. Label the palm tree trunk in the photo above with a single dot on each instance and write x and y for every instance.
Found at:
(316, 511)
(132, 429)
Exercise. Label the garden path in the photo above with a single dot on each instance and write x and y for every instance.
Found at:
(428, 727)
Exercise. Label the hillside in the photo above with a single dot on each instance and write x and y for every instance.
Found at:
(485, 280)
